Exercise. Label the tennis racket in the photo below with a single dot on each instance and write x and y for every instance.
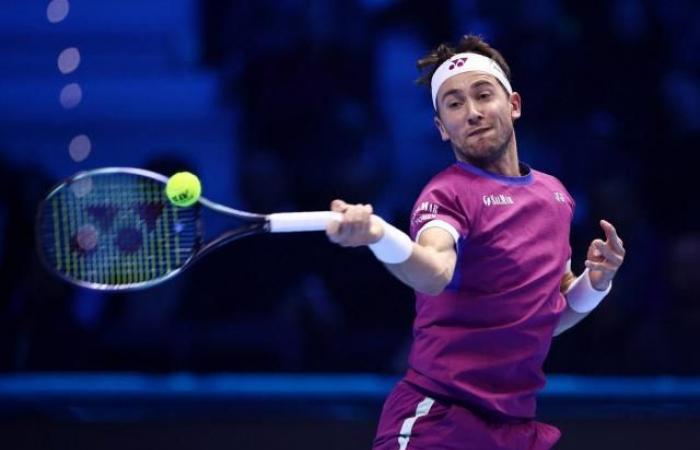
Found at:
(114, 229)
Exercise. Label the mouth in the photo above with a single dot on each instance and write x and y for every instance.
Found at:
(478, 131)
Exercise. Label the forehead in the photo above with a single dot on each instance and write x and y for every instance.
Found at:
(465, 81)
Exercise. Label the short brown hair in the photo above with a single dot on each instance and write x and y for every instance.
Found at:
(468, 43)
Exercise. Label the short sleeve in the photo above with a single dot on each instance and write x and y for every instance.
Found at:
(571, 202)
(437, 208)
(567, 197)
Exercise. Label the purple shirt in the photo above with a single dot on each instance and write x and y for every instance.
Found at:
(483, 340)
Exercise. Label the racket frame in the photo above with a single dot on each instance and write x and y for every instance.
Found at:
(257, 224)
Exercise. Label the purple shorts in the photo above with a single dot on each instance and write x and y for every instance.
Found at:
(412, 421)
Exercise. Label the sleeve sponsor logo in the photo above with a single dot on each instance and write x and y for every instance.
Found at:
(425, 212)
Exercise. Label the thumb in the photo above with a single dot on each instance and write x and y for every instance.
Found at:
(338, 205)
(332, 230)
(376, 227)
(609, 230)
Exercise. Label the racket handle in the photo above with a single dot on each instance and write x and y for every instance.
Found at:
(302, 221)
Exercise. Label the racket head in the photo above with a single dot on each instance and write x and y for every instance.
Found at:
(114, 229)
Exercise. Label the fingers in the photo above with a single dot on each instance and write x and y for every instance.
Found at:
(607, 251)
(341, 235)
(594, 249)
(605, 257)
(355, 228)
(338, 205)
(333, 231)
(602, 266)
(608, 228)
(334, 228)
(612, 237)
(601, 273)
(356, 219)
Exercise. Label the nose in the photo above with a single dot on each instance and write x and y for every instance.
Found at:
(474, 115)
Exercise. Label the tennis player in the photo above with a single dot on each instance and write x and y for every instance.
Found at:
(490, 261)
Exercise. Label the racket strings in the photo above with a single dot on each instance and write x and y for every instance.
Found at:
(115, 229)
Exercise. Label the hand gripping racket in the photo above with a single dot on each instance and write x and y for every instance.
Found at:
(114, 229)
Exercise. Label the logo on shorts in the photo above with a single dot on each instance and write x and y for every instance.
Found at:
(497, 199)
(558, 196)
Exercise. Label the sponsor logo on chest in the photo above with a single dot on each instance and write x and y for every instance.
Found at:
(497, 200)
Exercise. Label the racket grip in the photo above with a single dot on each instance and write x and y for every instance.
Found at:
(302, 221)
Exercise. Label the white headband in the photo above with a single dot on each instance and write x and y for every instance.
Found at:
(466, 62)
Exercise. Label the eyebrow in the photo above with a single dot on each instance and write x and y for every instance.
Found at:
(451, 92)
(480, 83)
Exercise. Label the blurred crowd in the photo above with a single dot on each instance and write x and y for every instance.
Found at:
(329, 109)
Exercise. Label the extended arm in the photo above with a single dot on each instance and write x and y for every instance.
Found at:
(430, 262)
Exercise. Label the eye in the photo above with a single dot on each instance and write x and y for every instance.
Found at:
(484, 95)
(452, 104)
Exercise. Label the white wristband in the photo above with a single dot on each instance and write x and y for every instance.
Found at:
(394, 247)
(582, 297)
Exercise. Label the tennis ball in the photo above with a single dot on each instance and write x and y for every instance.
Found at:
(183, 189)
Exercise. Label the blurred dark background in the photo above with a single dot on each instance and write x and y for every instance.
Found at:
(282, 105)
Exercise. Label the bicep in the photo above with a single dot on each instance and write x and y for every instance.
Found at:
(442, 243)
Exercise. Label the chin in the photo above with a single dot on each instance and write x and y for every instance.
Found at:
(480, 157)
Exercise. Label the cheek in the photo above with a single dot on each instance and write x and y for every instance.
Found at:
(452, 126)
(455, 129)
(503, 120)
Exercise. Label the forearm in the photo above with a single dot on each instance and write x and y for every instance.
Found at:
(426, 266)
(568, 319)
(581, 297)
(427, 270)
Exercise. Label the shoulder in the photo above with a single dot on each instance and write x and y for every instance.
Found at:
(450, 180)
(441, 201)
(548, 180)
(553, 184)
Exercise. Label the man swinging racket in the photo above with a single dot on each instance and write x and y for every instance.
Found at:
(490, 261)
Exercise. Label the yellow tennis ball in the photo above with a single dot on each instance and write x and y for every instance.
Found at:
(183, 189)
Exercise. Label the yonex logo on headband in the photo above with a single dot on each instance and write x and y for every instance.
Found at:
(467, 62)
(459, 62)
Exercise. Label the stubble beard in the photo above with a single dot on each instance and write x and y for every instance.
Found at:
(484, 157)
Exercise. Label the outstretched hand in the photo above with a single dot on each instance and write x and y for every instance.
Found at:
(358, 227)
(604, 257)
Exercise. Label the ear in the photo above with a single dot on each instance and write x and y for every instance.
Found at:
(516, 105)
(441, 128)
